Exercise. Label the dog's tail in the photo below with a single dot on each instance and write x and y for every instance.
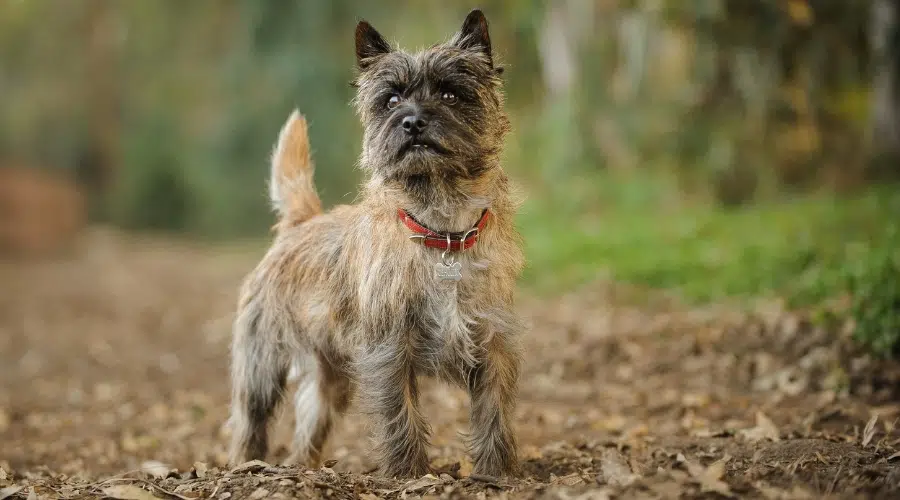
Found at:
(291, 187)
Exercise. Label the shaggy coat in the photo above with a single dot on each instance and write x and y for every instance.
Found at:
(349, 304)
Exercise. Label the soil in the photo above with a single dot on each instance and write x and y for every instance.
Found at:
(114, 383)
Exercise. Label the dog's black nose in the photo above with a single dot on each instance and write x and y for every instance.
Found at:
(414, 124)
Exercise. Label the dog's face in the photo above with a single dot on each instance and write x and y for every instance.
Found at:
(438, 112)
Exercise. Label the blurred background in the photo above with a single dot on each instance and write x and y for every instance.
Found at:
(718, 148)
(710, 225)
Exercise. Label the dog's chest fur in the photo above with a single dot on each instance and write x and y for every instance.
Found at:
(354, 281)
(440, 319)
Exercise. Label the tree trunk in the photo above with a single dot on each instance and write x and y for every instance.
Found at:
(99, 158)
(885, 39)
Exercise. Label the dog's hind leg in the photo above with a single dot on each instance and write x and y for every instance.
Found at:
(258, 370)
(323, 394)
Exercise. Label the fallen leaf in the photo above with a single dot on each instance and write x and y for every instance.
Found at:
(764, 429)
(420, 484)
(31, 494)
(590, 495)
(692, 400)
(200, 469)
(367, 496)
(709, 433)
(571, 480)
(869, 431)
(465, 467)
(772, 493)
(447, 468)
(530, 452)
(251, 466)
(614, 423)
(183, 488)
(128, 492)
(895, 455)
(889, 426)
(330, 463)
(667, 488)
(614, 470)
(710, 478)
(155, 469)
(10, 491)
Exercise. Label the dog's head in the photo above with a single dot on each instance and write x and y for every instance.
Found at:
(438, 112)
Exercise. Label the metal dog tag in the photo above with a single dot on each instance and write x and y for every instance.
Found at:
(451, 272)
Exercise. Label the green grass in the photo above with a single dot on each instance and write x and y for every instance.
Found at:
(806, 250)
(803, 249)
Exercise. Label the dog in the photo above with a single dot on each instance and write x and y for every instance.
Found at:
(417, 278)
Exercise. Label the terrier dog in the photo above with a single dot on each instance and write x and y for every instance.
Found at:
(417, 278)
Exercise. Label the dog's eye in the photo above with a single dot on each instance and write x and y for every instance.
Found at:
(448, 97)
(393, 101)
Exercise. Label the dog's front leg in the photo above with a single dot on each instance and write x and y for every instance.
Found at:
(388, 380)
(493, 388)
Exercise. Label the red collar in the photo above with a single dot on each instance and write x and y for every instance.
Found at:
(433, 239)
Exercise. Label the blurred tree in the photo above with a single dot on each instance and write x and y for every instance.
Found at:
(101, 91)
(737, 99)
(885, 39)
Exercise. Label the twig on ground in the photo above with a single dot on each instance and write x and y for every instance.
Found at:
(834, 483)
(489, 480)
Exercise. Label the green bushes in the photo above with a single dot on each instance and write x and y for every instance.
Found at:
(807, 250)
(875, 294)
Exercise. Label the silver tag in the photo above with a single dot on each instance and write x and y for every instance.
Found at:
(448, 272)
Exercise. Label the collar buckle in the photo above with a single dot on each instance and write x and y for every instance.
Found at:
(443, 241)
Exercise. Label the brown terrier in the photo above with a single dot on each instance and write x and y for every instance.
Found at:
(367, 296)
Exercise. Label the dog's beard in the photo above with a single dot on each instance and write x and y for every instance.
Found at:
(442, 155)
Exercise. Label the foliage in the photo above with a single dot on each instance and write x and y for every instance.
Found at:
(875, 289)
(807, 249)
(739, 99)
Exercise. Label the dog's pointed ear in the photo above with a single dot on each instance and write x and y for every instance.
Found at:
(369, 44)
(474, 34)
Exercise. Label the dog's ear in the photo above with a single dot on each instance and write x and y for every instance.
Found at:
(474, 35)
(369, 44)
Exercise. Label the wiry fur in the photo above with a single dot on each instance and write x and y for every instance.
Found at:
(348, 300)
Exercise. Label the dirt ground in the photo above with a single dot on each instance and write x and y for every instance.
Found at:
(113, 383)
